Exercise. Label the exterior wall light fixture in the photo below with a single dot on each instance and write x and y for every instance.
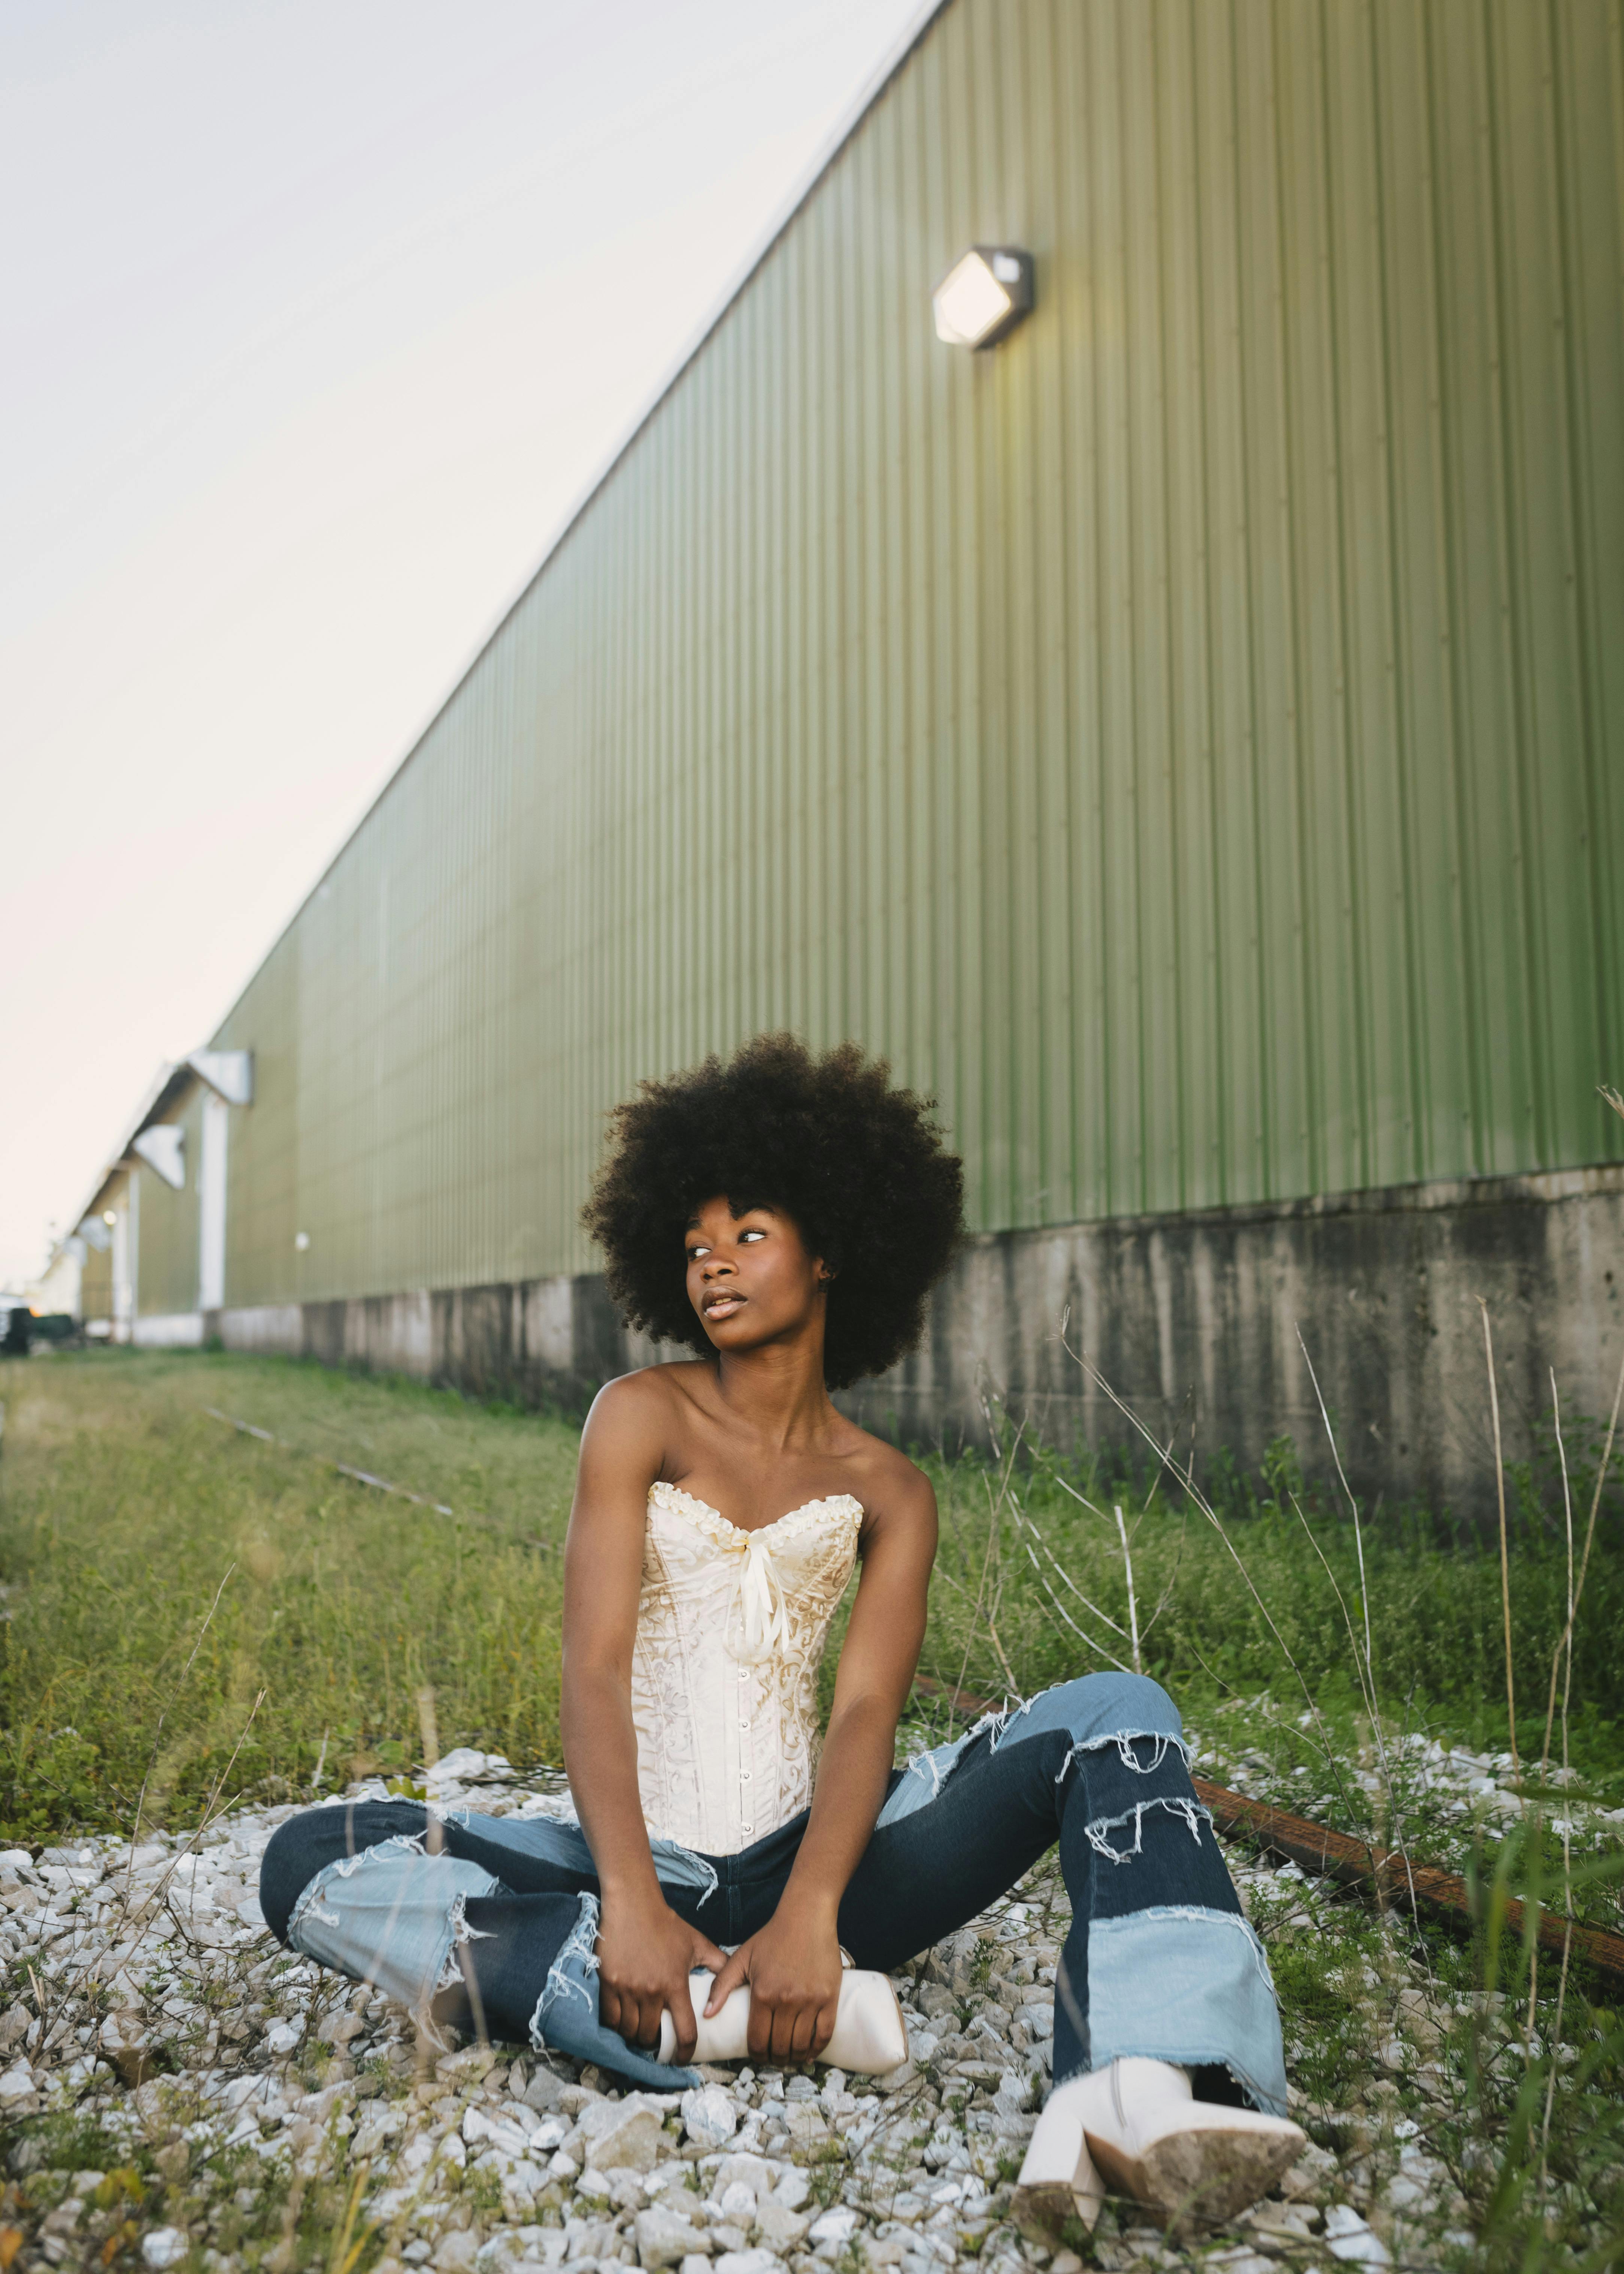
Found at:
(983, 295)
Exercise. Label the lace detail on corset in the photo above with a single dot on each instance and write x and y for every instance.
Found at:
(716, 1526)
(731, 1628)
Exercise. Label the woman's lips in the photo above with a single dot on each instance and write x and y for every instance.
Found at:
(723, 1306)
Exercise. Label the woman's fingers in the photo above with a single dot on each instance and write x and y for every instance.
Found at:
(804, 2031)
(626, 2012)
(785, 2020)
(791, 2030)
(730, 1972)
(681, 2007)
(759, 2035)
(825, 2028)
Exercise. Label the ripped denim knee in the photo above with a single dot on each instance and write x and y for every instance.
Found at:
(392, 1915)
(396, 1914)
(1125, 1788)
(1107, 1835)
(1123, 1711)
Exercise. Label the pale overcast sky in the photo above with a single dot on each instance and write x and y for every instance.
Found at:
(318, 316)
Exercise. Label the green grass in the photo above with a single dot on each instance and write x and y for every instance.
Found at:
(1435, 1598)
(198, 1612)
(125, 1509)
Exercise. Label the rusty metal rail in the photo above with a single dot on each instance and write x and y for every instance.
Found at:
(381, 1484)
(1384, 1872)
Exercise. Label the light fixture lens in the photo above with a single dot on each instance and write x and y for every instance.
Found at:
(970, 302)
(109, 1215)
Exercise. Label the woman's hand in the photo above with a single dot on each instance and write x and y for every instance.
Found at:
(793, 1967)
(645, 1954)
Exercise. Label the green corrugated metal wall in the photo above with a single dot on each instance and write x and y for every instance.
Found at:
(1190, 738)
(167, 1281)
(95, 1286)
(262, 1162)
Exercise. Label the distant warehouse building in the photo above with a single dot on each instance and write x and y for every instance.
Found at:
(1187, 735)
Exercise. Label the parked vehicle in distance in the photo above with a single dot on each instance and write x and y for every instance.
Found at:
(16, 1326)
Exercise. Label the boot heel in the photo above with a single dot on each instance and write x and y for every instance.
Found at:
(1205, 2167)
(1058, 2181)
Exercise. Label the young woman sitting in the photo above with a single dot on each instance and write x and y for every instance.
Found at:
(785, 1216)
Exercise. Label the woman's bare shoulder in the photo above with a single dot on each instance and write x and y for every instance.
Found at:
(635, 1422)
(885, 1480)
(652, 1389)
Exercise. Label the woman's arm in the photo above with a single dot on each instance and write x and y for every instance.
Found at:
(645, 1951)
(793, 1964)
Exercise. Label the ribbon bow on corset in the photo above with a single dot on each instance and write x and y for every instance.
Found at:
(758, 1622)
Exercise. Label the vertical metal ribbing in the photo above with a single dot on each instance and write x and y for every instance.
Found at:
(1186, 738)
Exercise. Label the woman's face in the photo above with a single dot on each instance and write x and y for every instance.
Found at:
(750, 1277)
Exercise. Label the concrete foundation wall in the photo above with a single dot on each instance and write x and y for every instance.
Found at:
(168, 1330)
(275, 1329)
(1192, 1320)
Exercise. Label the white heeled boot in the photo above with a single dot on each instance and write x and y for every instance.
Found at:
(1057, 2179)
(869, 2036)
(1135, 2129)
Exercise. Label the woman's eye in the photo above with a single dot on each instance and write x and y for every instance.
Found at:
(752, 1233)
(695, 1254)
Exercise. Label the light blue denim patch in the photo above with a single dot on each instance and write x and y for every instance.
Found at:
(1213, 2000)
(561, 1840)
(1094, 1711)
(392, 1916)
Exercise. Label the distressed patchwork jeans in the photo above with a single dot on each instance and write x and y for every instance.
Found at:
(1158, 1959)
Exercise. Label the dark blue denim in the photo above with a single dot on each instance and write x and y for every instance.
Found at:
(1157, 1958)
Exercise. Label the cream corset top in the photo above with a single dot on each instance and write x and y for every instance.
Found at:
(729, 1631)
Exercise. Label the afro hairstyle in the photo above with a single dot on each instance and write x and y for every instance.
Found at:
(859, 1167)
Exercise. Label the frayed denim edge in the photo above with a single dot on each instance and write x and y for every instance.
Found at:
(702, 1863)
(1003, 1720)
(582, 1943)
(1191, 1811)
(462, 1934)
(1125, 1741)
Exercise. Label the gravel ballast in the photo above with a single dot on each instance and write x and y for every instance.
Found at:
(177, 2088)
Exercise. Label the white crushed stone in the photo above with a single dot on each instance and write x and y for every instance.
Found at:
(172, 2018)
